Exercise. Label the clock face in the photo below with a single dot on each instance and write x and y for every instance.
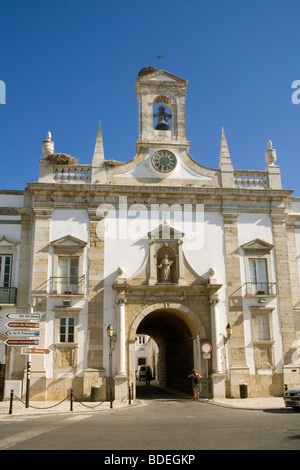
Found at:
(164, 161)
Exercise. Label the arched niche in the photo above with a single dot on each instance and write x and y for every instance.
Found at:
(167, 269)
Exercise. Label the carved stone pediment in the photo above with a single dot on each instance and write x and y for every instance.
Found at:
(8, 242)
(257, 245)
(68, 244)
(165, 232)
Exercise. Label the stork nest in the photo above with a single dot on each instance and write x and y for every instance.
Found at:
(62, 159)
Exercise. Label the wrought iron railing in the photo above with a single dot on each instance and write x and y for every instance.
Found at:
(261, 288)
(67, 285)
(8, 295)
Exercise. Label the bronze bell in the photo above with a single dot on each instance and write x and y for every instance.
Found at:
(162, 124)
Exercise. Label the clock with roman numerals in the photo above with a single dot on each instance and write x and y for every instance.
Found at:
(164, 161)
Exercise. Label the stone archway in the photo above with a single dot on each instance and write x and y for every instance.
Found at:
(177, 332)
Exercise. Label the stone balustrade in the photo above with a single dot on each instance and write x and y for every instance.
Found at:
(251, 179)
(72, 173)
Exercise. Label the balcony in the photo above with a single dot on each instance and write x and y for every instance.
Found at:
(261, 289)
(67, 285)
(8, 295)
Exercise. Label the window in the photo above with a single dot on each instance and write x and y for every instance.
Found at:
(262, 328)
(141, 340)
(68, 274)
(66, 330)
(259, 268)
(5, 270)
(258, 276)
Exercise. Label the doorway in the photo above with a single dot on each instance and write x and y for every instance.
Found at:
(175, 347)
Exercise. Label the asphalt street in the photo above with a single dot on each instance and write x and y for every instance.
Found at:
(155, 422)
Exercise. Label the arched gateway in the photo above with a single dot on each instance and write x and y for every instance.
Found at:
(179, 313)
(177, 331)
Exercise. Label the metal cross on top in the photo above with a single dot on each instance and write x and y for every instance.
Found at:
(160, 57)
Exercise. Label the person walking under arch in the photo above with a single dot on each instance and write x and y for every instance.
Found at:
(148, 376)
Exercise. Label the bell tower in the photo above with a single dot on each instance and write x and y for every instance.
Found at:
(161, 97)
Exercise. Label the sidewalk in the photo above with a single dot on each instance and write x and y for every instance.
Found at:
(258, 403)
(48, 408)
(51, 407)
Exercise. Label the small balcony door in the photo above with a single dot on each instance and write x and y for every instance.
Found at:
(68, 275)
(258, 276)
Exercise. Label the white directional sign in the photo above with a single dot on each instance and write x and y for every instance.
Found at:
(23, 316)
(22, 333)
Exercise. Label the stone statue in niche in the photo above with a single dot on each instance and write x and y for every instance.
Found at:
(165, 267)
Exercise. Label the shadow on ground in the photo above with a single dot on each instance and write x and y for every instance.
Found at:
(155, 392)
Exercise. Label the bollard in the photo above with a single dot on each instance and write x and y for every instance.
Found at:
(129, 394)
(71, 400)
(11, 402)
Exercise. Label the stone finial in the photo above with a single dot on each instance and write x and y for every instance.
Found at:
(48, 145)
(270, 154)
(120, 270)
(212, 273)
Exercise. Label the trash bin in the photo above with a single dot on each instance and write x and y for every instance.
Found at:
(95, 394)
(243, 390)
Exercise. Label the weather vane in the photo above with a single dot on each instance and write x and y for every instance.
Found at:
(160, 57)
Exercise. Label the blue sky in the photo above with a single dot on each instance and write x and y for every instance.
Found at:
(69, 64)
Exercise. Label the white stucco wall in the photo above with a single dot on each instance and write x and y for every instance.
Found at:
(295, 206)
(75, 223)
(250, 227)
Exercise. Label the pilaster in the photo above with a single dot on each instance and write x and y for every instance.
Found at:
(95, 290)
(94, 374)
(285, 290)
(239, 371)
(39, 286)
(121, 379)
(23, 299)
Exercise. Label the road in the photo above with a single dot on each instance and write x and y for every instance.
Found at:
(156, 424)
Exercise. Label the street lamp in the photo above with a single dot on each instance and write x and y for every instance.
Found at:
(229, 333)
(110, 332)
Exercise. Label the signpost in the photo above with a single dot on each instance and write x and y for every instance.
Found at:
(21, 342)
(23, 333)
(23, 316)
(28, 321)
(35, 351)
(22, 324)
(206, 350)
